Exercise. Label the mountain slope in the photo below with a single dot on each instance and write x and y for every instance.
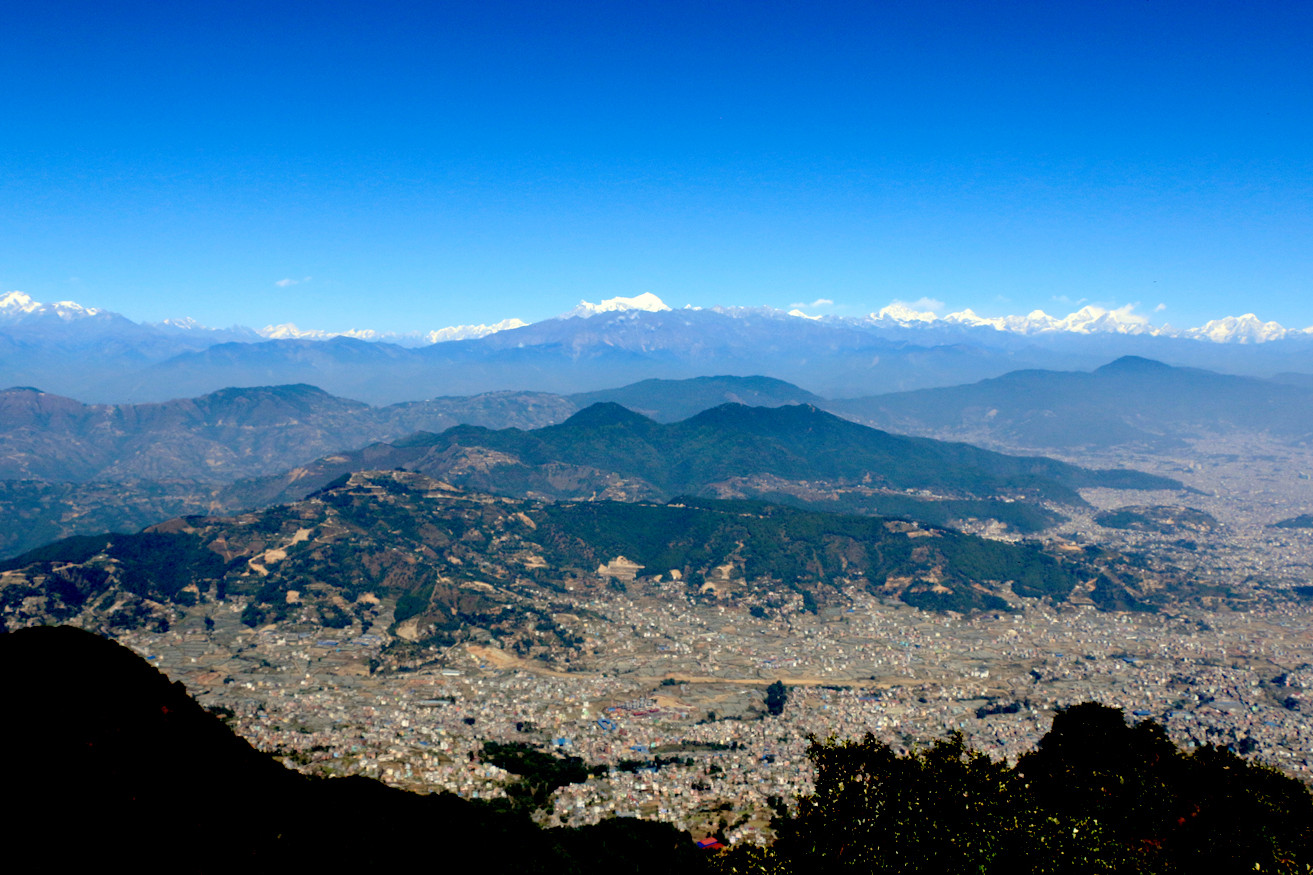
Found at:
(792, 443)
(235, 433)
(1131, 401)
(102, 356)
(465, 566)
(224, 435)
(673, 400)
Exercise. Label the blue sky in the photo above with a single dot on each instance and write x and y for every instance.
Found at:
(413, 165)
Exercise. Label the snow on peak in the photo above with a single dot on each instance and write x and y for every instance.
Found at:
(19, 307)
(15, 303)
(1239, 329)
(289, 331)
(1087, 320)
(18, 304)
(70, 309)
(646, 301)
(470, 332)
(186, 323)
(899, 312)
(1091, 319)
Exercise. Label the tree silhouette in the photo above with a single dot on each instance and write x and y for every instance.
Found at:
(1097, 795)
(776, 695)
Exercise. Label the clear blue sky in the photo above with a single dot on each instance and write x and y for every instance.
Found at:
(431, 164)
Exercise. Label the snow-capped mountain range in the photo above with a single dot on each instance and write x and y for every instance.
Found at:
(98, 355)
(646, 302)
(289, 331)
(1089, 320)
(16, 307)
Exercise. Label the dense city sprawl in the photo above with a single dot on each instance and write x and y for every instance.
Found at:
(685, 729)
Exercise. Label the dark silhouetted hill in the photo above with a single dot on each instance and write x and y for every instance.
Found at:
(111, 766)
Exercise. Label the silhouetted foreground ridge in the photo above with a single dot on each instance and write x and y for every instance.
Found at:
(108, 762)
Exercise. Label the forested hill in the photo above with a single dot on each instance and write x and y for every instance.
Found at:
(795, 454)
(459, 564)
(794, 442)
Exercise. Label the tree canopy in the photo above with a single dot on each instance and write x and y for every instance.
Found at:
(1097, 795)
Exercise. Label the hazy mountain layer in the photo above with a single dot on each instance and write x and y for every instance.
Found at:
(573, 355)
(1132, 402)
(228, 434)
(96, 355)
(68, 468)
(236, 433)
(673, 400)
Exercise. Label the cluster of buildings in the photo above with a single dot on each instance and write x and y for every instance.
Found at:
(672, 697)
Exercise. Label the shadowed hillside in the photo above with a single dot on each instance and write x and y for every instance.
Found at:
(109, 751)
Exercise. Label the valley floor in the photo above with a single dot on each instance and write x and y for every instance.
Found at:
(671, 684)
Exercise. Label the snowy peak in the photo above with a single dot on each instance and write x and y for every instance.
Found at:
(471, 332)
(19, 309)
(18, 305)
(68, 310)
(903, 314)
(289, 331)
(1094, 320)
(1242, 329)
(1123, 320)
(646, 301)
(186, 323)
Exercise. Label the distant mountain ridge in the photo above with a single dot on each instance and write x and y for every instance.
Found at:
(673, 400)
(221, 436)
(245, 432)
(59, 458)
(1132, 401)
(96, 355)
